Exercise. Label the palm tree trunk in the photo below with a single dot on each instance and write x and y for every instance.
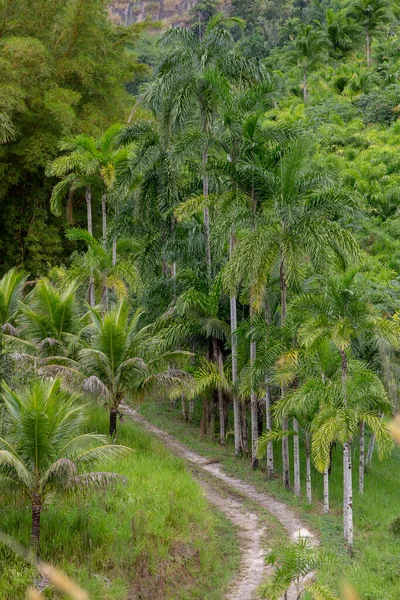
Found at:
(92, 301)
(70, 207)
(368, 45)
(184, 408)
(104, 218)
(296, 458)
(305, 85)
(326, 491)
(36, 513)
(254, 412)
(114, 252)
(285, 455)
(285, 440)
(370, 452)
(206, 215)
(348, 497)
(191, 410)
(236, 403)
(270, 446)
(244, 430)
(361, 464)
(308, 469)
(113, 422)
(221, 406)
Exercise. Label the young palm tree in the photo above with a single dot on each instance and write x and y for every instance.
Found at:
(11, 290)
(122, 360)
(50, 321)
(293, 564)
(45, 452)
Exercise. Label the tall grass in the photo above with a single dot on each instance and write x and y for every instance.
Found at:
(156, 537)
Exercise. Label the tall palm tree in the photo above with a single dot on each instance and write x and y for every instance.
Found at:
(370, 14)
(45, 451)
(340, 314)
(307, 51)
(97, 263)
(193, 80)
(298, 222)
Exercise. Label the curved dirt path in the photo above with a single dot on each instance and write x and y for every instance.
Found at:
(250, 530)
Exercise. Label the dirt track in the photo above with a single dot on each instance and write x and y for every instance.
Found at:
(247, 523)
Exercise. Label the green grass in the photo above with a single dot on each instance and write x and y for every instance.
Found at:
(155, 537)
(375, 568)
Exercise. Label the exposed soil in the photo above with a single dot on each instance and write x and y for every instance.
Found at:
(247, 523)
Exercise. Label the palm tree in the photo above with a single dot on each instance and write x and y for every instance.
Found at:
(298, 221)
(341, 314)
(370, 14)
(50, 321)
(343, 33)
(193, 80)
(307, 51)
(45, 451)
(293, 563)
(122, 360)
(202, 306)
(11, 290)
(97, 263)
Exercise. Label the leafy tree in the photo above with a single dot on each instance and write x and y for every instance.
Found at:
(45, 452)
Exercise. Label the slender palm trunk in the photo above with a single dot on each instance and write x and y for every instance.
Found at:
(361, 464)
(326, 491)
(104, 292)
(113, 422)
(90, 230)
(347, 470)
(285, 455)
(370, 452)
(206, 213)
(218, 360)
(368, 45)
(236, 403)
(184, 408)
(305, 85)
(254, 412)
(114, 252)
(348, 497)
(308, 468)
(191, 409)
(270, 446)
(285, 439)
(296, 457)
(36, 513)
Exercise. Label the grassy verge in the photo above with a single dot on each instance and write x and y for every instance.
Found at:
(374, 570)
(155, 537)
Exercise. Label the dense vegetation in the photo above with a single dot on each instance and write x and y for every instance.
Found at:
(232, 246)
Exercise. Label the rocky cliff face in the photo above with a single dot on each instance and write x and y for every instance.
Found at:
(134, 11)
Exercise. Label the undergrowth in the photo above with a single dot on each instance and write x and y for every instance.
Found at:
(155, 537)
